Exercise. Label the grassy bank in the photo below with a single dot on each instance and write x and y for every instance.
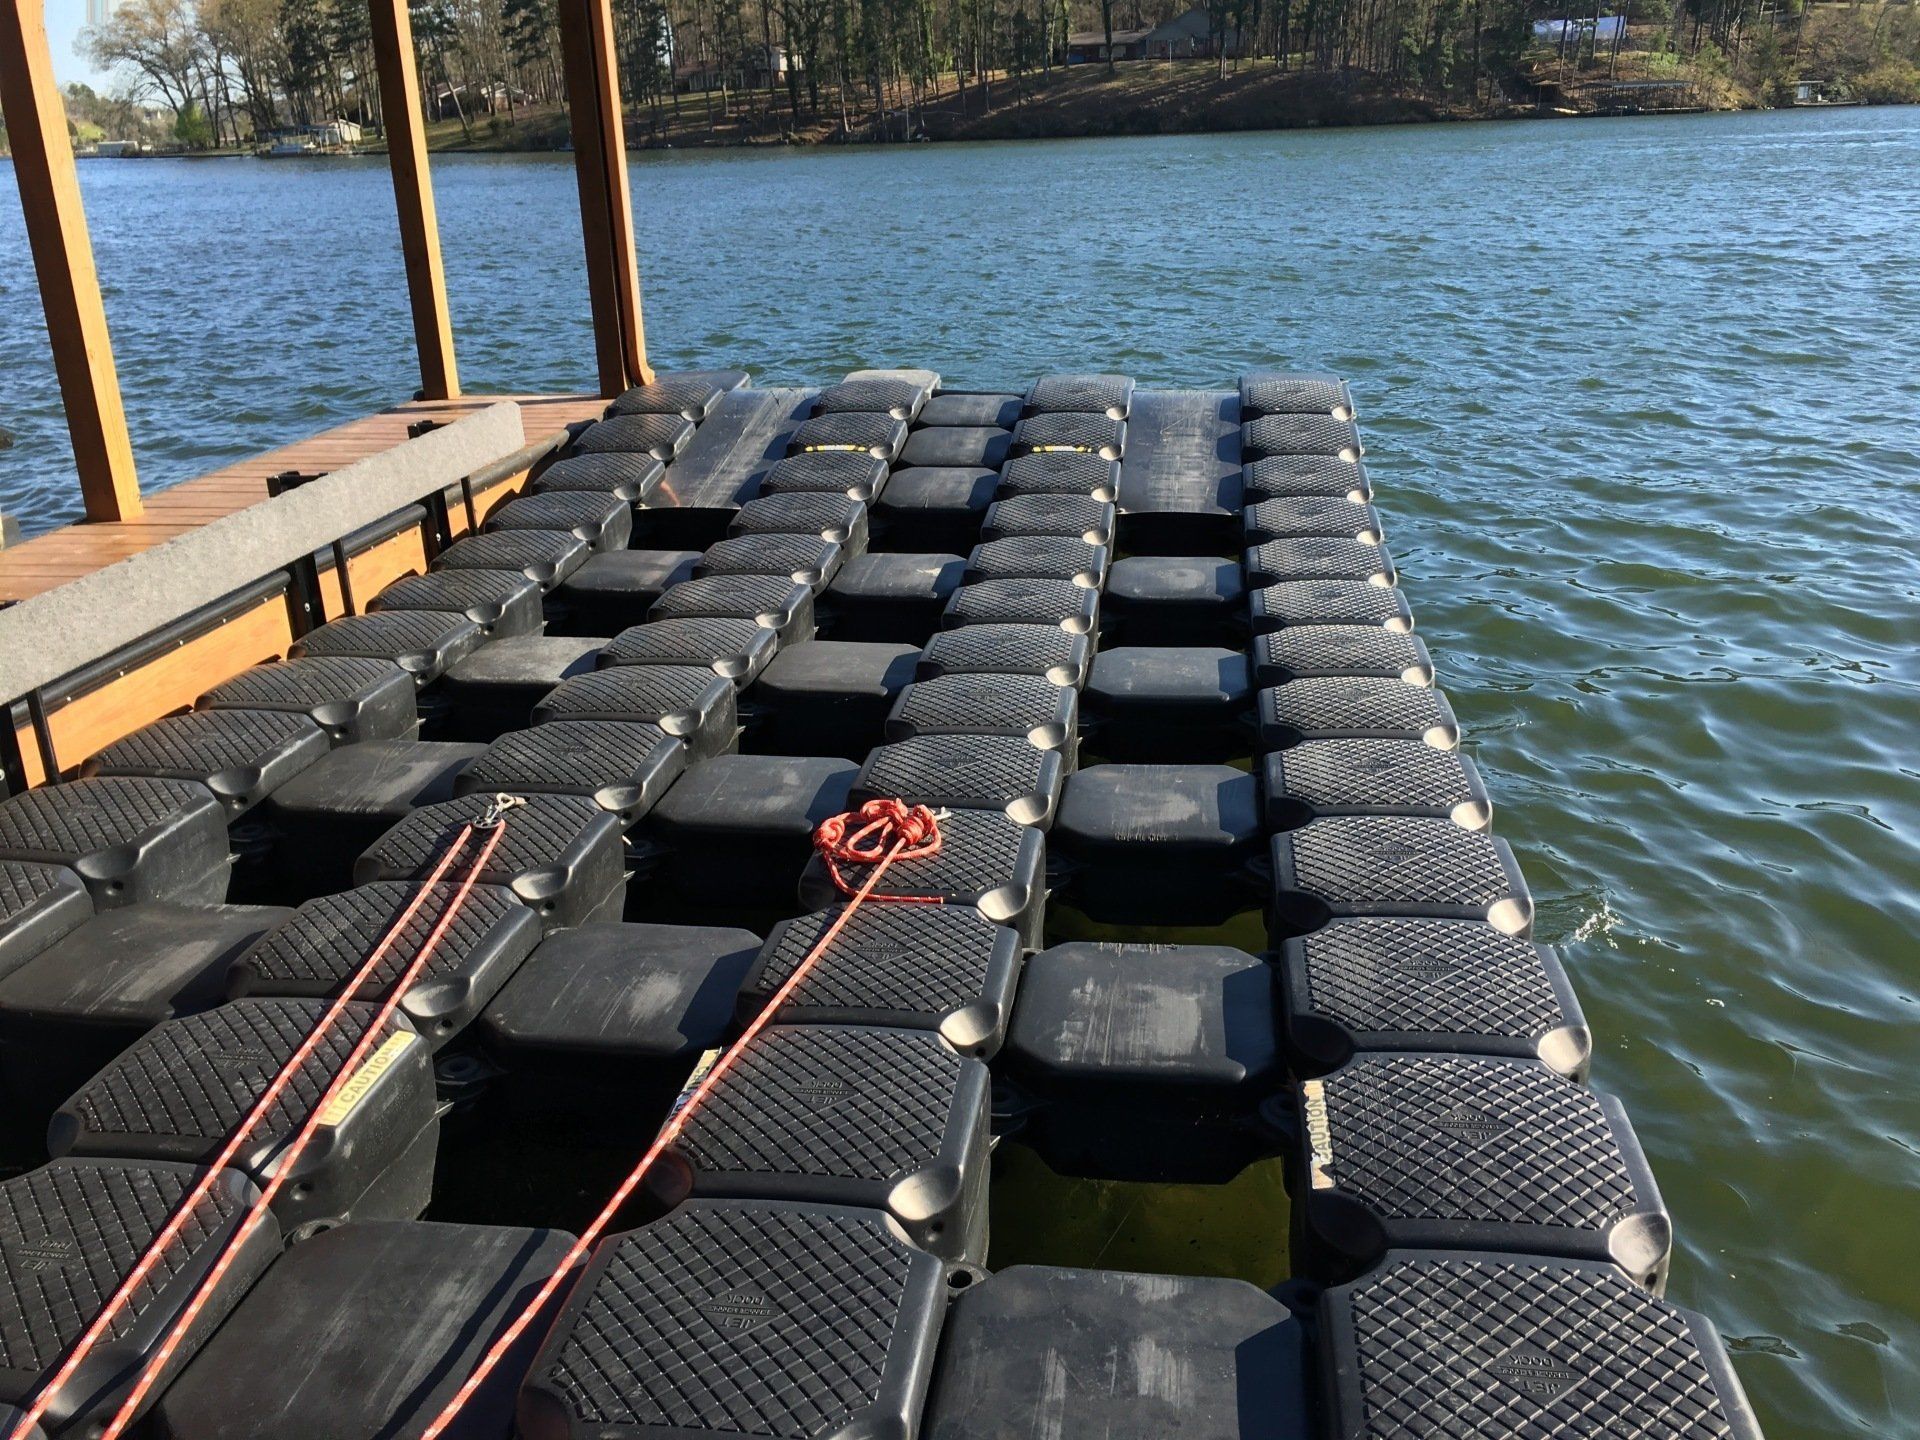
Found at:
(1853, 53)
(1140, 98)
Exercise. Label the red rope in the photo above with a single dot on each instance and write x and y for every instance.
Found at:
(860, 837)
(209, 1176)
(892, 831)
(289, 1158)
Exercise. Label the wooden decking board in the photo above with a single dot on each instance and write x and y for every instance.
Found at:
(52, 559)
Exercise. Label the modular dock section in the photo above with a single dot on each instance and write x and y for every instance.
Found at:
(1217, 885)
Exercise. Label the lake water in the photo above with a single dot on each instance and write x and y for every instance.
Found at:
(1645, 419)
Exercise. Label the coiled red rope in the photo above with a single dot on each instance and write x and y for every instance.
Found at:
(882, 829)
(491, 826)
(878, 833)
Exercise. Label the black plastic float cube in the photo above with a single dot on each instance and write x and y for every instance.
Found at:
(1159, 844)
(500, 602)
(1470, 1152)
(1090, 434)
(1052, 557)
(690, 393)
(1175, 600)
(242, 756)
(942, 968)
(776, 602)
(1074, 608)
(838, 1312)
(901, 396)
(561, 855)
(623, 766)
(128, 838)
(391, 1317)
(1283, 392)
(349, 697)
(626, 476)
(69, 1231)
(1319, 557)
(737, 829)
(1442, 985)
(1126, 1043)
(615, 590)
(495, 689)
(1061, 473)
(424, 643)
(1307, 652)
(1371, 777)
(956, 447)
(986, 861)
(737, 650)
(1271, 435)
(1463, 1346)
(1355, 707)
(933, 509)
(603, 522)
(804, 559)
(1027, 707)
(38, 904)
(1009, 649)
(658, 434)
(327, 941)
(627, 1008)
(1075, 517)
(891, 1120)
(1081, 394)
(832, 472)
(1287, 477)
(1395, 865)
(689, 702)
(973, 407)
(828, 697)
(546, 557)
(890, 597)
(1300, 517)
(320, 821)
(1328, 602)
(181, 1090)
(1004, 773)
(851, 432)
(1167, 705)
(106, 983)
(838, 518)
(1092, 1350)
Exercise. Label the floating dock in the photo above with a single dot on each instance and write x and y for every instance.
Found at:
(1217, 885)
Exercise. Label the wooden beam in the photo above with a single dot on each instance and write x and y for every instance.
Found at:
(63, 260)
(613, 126)
(606, 207)
(413, 195)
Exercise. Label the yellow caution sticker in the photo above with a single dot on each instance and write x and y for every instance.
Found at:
(362, 1080)
(706, 1062)
(1313, 1095)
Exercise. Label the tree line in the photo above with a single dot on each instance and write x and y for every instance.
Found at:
(233, 71)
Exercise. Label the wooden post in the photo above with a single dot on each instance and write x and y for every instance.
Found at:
(606, 206)
(413, 196)
(63, 261)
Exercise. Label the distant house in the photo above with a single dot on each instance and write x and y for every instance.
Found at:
(1604, 30)
(1187, 36)
(451, 101)
(1811, 92)
(1089, 47)
(754, 68)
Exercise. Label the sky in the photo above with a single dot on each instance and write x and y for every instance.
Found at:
(64, 21)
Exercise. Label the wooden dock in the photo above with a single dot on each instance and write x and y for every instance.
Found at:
(65, 554)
